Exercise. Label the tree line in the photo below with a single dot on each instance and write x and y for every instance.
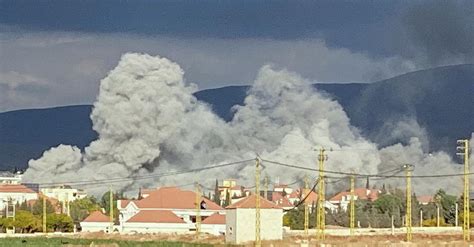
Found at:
(379, 213)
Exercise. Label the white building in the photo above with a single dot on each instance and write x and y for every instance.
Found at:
(15, 193)
(153, 221)
(343, 199)
(180, 203)
(96, 222)
(10, 178)
(240, 221)
(64, 193)
(214, 224)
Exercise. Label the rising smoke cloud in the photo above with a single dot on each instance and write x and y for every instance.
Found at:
(149, 122)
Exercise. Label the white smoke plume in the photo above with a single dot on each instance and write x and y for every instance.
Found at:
(149, 122)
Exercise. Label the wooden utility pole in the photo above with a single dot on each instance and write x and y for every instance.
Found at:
(463, 146)
(321, 214)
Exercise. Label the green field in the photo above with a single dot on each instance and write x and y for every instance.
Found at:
(43, 241)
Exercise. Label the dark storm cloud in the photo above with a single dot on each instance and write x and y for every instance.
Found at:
(348, 24)
(443, 30)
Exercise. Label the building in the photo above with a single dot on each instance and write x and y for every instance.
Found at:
(279, 199)
(64, 193)
(177, 202)
(153, 221)
(425, 200)
(214, 224)
(96, 222)
(12, 194)
(342, 199)
(10, 178)
(240, 221)
(283, 188)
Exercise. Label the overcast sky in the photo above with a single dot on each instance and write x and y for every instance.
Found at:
(55, 52)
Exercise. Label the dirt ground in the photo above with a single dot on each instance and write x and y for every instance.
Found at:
(421, 240)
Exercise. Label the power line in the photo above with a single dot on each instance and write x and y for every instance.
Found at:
(365, 175)
(159, 175)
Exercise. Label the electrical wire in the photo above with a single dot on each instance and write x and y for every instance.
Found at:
(304, 199)
(366, 175)
(134, 178)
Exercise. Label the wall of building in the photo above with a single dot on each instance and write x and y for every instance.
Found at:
(16, 197)
(155, 227)
(95, 226)
(214, 229)
(242, 222)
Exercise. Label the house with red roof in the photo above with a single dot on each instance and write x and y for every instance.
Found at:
(179, 203)
(214, 224)
(149, 221)
(240, 220)
(96, 222)
(425, 199)
(342, 199)
(279, 199)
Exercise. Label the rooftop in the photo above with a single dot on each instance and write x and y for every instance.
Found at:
(250, 202)
(155, 216)
(173, 198)
(97, 216)
(215, 218)
(15, 188)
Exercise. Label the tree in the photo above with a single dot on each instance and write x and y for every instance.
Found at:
(81, 208)
(388, 203)
(37, 208)
(105, 203)
(26, 222)
(59, 222)
(447, 204)
(227, 199)
(217, 194)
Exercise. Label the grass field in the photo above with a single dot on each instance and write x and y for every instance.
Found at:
(43, 241)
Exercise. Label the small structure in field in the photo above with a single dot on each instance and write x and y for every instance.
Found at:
(96, 222)
(214, 224)
(240, 221)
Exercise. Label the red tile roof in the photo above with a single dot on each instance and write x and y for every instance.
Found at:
(294, 194)
(215, 218)
(425, 199)
(250, 202)
(174, 198)
(237, 187)
(15, 188)
(312, 197)
(97, 216)
(155, 216)
(279, 199)
(124, 203)
(361, 193)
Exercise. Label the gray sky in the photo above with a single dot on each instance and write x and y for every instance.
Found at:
(55, 52)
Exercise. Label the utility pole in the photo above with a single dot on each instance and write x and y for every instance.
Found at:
(352, 212)
(306, 211)
(437, 216)
(408, 170)
(456, 219)
(198, 210)
(463, 146)
(111, 210)
(45, 230)
(258, 241)
(421, 217)
(321, 221)
(265, 182)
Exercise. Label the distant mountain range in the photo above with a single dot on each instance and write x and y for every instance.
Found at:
(440, 99)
